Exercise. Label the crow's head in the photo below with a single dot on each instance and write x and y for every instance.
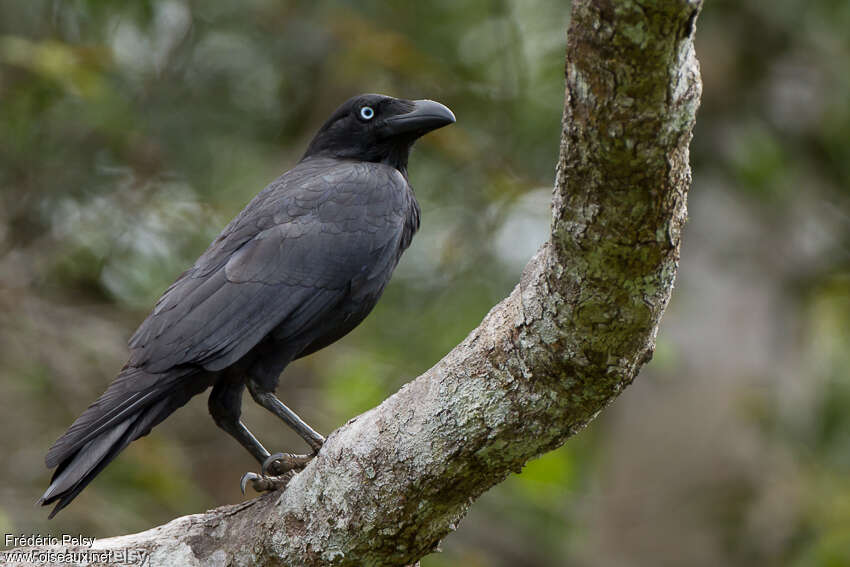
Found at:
(378, 128)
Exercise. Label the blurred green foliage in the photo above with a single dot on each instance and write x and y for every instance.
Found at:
(132, 132)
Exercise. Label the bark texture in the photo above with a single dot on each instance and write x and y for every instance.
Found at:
(391, 483)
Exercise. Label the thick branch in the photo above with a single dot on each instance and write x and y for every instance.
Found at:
(391, 483)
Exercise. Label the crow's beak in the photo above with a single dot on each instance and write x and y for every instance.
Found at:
(426, 115)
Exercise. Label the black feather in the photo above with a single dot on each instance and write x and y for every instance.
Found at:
(298, 268)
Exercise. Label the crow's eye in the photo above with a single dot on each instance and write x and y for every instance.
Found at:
(366, 113)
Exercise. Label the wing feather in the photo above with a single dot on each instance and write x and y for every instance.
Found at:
(305, 243)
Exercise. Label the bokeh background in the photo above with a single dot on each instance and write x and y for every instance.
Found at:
(130, 133)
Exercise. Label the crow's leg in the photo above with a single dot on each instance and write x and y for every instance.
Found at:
(266, 398)
(225, 405)
(281, 463)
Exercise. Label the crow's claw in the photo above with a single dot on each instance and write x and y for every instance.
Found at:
(282, 463)
(265, 483)
(276, 472)
(248, 476)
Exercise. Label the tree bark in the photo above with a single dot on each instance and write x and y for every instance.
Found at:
(392, 482)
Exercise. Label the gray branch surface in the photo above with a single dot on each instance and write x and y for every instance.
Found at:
(391, 483)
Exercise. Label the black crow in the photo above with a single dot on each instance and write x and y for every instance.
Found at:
(297, 269)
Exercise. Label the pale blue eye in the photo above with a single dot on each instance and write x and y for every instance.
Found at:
(366, 113)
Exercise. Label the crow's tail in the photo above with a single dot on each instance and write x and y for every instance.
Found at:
(133, 404)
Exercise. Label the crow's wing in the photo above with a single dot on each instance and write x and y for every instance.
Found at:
(298, 249)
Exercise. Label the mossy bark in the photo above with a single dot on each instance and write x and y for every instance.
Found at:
(391, 483)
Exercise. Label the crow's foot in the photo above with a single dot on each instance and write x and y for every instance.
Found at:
(276, 472)
(282, 463)
(265, 483)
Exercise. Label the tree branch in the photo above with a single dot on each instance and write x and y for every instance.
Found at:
(391, 483)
